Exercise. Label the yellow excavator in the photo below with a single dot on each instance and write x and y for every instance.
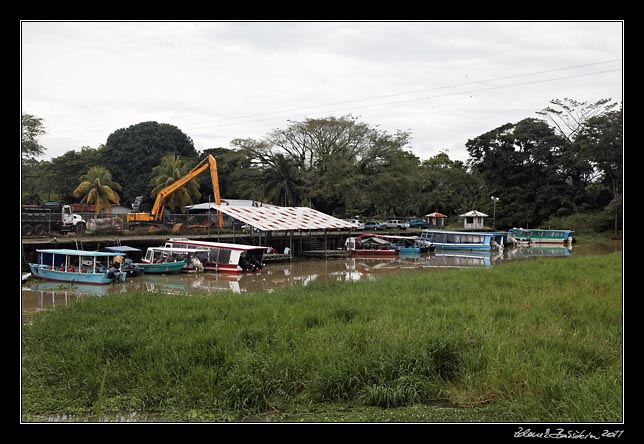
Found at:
(156, 214)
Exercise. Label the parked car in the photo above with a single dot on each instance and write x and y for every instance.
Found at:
(396, 223)
(360, 225)
(418, 223)
(372, 225)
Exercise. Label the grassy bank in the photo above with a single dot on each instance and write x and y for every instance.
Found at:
(529, 341)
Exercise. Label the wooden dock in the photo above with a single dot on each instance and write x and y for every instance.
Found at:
(325, 253)
(276, 257)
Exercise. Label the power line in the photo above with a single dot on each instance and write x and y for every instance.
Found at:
(241, 119)
(410, 92)
(419, 98)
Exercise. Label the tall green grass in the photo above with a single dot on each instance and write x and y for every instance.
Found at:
(540, 339)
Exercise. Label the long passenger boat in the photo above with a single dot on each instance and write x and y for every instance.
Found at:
(223, 257)
(78, 266)
(461, 240)
(541, 236)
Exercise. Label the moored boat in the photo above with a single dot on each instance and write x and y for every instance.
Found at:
(132, 255)
(223, 257)
(541, 236)
(78, 266)
(163, 260)
(461, 240)
(369, 246)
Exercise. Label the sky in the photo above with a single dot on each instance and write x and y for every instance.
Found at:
(444, 82)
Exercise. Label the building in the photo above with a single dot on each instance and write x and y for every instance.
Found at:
(473, 220)
(436, 219)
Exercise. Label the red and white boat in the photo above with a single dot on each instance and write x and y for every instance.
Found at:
(223, 257)
(369, 245)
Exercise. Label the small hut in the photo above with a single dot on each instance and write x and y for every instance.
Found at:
(473, 220)
(436, 219)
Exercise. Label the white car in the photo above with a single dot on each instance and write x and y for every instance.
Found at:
(397, 223)
(358, 224)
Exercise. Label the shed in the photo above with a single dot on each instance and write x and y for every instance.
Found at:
(473, 220)
(436, 219)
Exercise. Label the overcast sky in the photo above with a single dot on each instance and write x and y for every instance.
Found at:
(445, 82)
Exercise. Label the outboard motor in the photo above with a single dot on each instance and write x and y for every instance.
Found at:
(114, 274)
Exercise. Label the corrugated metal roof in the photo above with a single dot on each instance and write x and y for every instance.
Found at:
(285, 218)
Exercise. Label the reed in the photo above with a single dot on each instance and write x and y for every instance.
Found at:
(539, 340)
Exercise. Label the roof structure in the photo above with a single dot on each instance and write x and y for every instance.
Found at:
(285, 218)
(436, 214)
(473, 213)
(228, 202)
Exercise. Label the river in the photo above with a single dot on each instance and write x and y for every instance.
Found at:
(39, 295)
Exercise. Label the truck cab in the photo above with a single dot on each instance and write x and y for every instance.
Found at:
(70, 219)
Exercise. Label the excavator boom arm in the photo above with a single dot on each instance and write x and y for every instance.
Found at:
(209, 162)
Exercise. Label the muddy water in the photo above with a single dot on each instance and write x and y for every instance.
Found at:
(38, 294)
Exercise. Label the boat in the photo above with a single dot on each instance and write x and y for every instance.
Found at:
(369, 245)
(402, 244)
(461, 240)
(78, 266)
(25, 276)
(541, 236)
(164, 260)
(132, 255)
(223, 257)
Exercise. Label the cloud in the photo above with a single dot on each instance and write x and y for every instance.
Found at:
(446, 82)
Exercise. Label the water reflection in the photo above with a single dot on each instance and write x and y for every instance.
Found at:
(38, 294)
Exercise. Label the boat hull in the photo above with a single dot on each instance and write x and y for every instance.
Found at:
(163, 268)
(467, 247)
(103, 278)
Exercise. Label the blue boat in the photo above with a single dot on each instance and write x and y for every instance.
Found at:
(541, 236)
(78, 266)
(460, 240)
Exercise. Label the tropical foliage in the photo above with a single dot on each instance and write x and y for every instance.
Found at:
(98, 188)
(567, 161)
(131, 154)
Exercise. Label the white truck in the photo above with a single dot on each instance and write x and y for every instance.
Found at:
(396, 223)
(49, 217)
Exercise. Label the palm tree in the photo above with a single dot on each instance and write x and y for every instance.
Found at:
(97, 188)
(166, 173)
(281, 181)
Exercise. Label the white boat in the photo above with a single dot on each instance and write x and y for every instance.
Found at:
(223, 257)
(162, 260)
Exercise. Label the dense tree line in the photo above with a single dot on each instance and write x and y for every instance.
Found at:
(567, 162)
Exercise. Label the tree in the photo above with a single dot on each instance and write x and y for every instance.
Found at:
(447, 186)
(61, 173)
(32, 128)
(570, 116)
(171, 169)
(131, 154)
(520, 163)
(98, 188)
(30, 149)
(282, 184)
(239, 177)
(603, 139)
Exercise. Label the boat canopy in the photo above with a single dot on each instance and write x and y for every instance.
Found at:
(70, 252)
(123, 249)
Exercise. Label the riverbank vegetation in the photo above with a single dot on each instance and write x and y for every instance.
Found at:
(563, 166)
(530, 341)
